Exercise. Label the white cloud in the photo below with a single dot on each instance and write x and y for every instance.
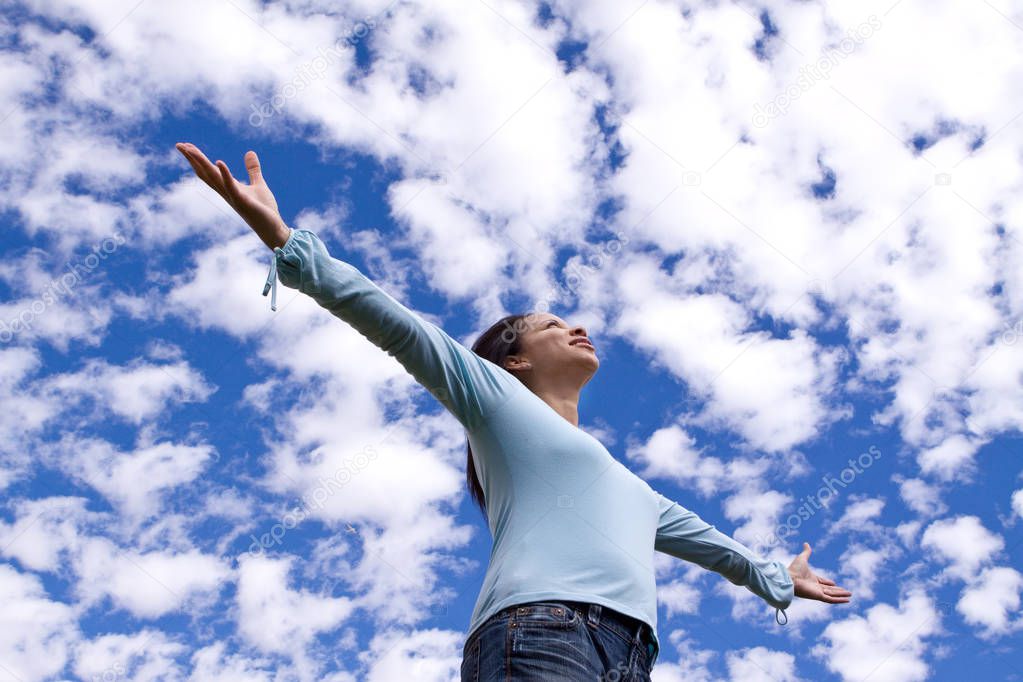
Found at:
(670, 452)
(136, 392)
(953, 458)
(921, 497)
(24, 413)
(397, 578)
(760, 509)
(48, 317)
(429, 655)
(36, 633)
(772, 391)
(42, 531)
(146, 655)
(680, 596)
(991, 601)
(964, 542)
(137, 481)
(275, 618)
(147, 584)
(888, 643)
(693, 662)
(221, 290)
(860, 514)
(214, 664)
(362, 469)
(863, 564)
(185, 209)
(760, 664)
(781, 243)
(460, 255)
(907, 532)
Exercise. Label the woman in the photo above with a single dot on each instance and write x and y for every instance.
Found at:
(569, 592)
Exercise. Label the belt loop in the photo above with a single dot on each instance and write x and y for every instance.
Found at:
(594, 615)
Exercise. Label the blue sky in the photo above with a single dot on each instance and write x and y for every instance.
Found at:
(792, 229)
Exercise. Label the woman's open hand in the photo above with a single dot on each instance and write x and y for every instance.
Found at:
(811, 586)
(254, 202)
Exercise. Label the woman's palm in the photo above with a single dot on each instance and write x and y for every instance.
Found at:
(254, 202)
(809, 585)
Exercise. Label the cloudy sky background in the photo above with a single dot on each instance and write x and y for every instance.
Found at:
(794, 230)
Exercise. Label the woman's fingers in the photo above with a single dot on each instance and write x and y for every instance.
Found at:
(836, 595)
(252, 166)
(229, 182)
(835, 600)
(206, 171)
(825, 581)
(815, 588)
(191, 161)
(197, 160)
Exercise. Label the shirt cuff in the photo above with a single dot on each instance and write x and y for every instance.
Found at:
(271, 278)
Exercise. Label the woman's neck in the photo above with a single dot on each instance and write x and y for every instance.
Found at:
(565, 402)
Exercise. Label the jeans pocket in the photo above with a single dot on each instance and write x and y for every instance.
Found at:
(550, 642)
(551, 615)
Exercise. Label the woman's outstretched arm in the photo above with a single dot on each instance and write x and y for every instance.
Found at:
(467, 385)
(683, 534)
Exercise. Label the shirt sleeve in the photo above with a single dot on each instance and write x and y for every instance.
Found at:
(683, 534)
(467, 385)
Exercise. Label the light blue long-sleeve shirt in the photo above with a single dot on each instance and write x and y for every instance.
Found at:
(568, 520)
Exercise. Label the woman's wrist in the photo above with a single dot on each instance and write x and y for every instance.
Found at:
(283, 234)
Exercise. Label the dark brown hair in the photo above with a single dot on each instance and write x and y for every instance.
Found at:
(495, 344)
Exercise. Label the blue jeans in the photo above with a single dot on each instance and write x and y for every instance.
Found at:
(559, 641)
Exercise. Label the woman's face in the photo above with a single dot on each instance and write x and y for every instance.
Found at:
(550, 347)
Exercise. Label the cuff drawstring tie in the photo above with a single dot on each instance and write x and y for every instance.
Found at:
(777, 613)
(271, 282)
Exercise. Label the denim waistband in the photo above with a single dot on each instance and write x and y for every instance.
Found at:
(629, 628)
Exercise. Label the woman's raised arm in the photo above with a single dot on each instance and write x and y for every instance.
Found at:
(467, 385)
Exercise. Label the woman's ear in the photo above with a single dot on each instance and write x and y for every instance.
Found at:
(515, 362)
